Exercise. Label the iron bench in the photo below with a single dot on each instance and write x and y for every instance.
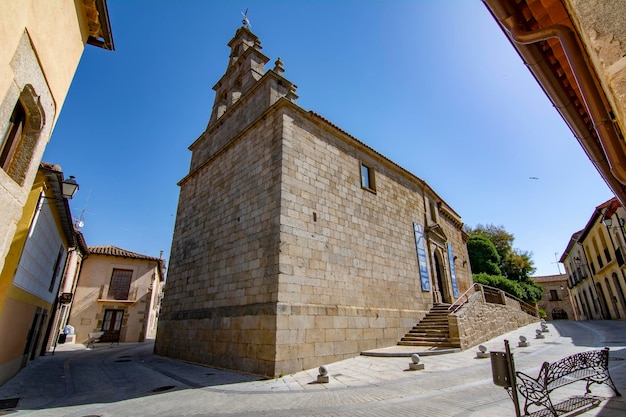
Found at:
(93, 338)
(591, 367)
(103, 337)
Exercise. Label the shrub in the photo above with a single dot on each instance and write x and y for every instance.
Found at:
(524, 291)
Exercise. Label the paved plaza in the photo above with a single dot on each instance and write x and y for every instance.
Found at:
(128, 380)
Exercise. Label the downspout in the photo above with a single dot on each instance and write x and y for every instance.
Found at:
(614, 150)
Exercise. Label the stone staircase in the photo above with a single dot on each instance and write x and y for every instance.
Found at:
(432, 331)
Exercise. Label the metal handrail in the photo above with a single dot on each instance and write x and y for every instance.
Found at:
(454, 307)
(460, 303)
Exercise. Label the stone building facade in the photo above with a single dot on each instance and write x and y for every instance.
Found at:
(594, 262)
(556, 300)
(295, 243)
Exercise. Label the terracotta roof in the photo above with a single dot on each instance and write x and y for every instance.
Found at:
(574, 89)
(122, 253)
(97, 15)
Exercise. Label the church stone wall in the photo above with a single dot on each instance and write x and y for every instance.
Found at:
(349, 278)
(280, 260)
(221, 291)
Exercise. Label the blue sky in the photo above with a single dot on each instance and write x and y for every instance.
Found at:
(433, 85)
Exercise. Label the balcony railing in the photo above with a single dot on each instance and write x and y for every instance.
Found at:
(106, 296)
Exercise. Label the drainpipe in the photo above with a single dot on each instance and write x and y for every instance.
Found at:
(613, 149)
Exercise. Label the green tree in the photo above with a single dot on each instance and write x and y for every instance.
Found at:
(483, 255)
(514, 264)
(495, 262)
(518, 266)
(502, 239)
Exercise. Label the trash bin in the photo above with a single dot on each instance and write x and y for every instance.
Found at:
(62, 338)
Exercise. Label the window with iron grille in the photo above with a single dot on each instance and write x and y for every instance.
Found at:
(120, 284)
(10, 142)
(554, 295)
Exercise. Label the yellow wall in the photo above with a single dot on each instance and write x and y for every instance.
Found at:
(17, 306)
(55, 33)
(17, 245)
(58, 31)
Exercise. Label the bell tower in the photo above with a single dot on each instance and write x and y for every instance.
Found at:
(246, 66)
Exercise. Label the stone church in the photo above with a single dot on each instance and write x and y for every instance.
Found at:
(296, 244)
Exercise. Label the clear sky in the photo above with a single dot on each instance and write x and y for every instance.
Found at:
(433, 85)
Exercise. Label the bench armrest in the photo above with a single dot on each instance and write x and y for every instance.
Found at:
(529, 386)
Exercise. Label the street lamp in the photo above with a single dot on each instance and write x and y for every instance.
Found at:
(69, 187)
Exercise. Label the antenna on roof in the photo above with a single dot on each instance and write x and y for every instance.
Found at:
(80, 222)
(246, 21)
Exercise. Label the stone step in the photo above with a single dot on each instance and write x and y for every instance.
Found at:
(425, 339)
(428, 331)
(429, 343)
(432, 330)
(430, 326)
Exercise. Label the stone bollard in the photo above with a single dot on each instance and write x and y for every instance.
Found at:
(544, 328)
(539, 334)
(415, 364)
(482, 352)
(523, 342)
(323, 377)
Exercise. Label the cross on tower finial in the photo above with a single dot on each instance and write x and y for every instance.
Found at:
(246, 21)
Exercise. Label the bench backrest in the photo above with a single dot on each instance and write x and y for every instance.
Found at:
(573, 368)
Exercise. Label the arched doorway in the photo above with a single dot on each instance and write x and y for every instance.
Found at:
(559, 314)
(439, 278)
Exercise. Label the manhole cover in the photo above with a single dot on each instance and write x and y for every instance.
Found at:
(8, 403)
(161, 389)
(124, 360)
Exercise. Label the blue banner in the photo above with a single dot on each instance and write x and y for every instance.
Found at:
(421, 256)
(455, 289)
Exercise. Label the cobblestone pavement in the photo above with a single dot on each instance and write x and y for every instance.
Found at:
(128, 380)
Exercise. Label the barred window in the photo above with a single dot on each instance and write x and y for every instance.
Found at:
(120, 284)
(12, 137)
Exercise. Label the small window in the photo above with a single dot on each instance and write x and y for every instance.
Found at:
(120, 284)
(554, 295)
(367, 177)
(12, 137)
(433, 211)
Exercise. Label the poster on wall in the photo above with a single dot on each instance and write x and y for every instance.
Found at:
(421, 256)
(455, 289)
